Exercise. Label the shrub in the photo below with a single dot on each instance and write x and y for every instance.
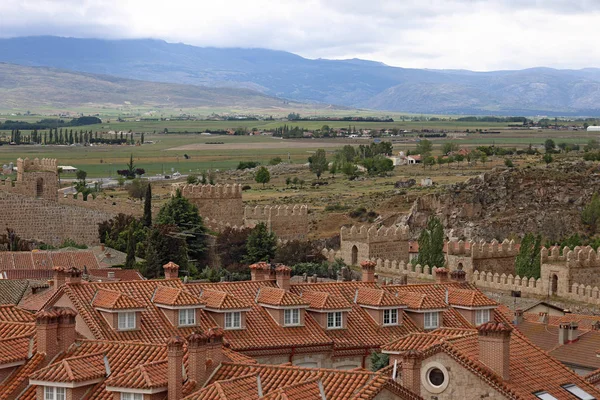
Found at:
(246, 187)
(248, 164)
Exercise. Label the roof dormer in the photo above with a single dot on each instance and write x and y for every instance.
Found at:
(180, 307)
(472, 304)
(330, 312)
(425, 311)
(123, 313)
(384, 308)
(285, 308)
(227, 311)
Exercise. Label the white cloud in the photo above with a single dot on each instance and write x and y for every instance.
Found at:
(468, 34)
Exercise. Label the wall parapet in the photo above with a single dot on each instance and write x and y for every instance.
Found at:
(218, 191)
(394, 267)
(579, 257)
(44, 164)
(508, 282)
(494, 249)
(265, 212)
(373, 234)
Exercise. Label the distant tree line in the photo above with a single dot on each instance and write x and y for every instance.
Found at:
(48, 123)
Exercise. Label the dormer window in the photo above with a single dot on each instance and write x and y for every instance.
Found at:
(390, 317)
(132, 396)
(431, 320)
(482, 316)
(54, 393)
(187, 317)
(291, 317)
(334, 320)
(233, 320)
(127, 320)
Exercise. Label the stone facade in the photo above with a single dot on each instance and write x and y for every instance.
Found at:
(366, 243)
(221, 206)
(493, 257)
(31, 207)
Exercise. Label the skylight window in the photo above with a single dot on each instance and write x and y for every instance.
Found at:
(578, 392)
(545, 396)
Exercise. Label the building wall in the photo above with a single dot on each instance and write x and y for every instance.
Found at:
(374, 243)
(287, 222)
(222, 203)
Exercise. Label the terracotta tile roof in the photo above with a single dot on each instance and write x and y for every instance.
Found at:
(469, 298)
(435, 292)
(18, 380)
(325, 301)
(14, 349)
(337, 384)
(383, 382)
(239, 388)
(114, 300)
(154, 327)
(581, 352)
(593, 377)
(35, 302)
(73, 369)
(42, 274)
(420, 301)
(15, 329)
(278, 297)
(305, 390)
(172, 296)
(12, 313)
(145, 376)
(378, 298)
(262, 332)
(119, 274)
(12, 291)
(219, 300)
(543, 336)
(420, 341)
(46, 260)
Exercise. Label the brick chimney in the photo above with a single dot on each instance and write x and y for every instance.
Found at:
(171, 270)
(441, 275)
(73, 276)
(518, 317)
(214, 349)
(458, 275)
(260, 271)
(60, 277)
(197, 345)
(368, 270)
(46, 325)
(66, 328)
(175, 368)
(282, 274)
(494, 347)
(411, 371)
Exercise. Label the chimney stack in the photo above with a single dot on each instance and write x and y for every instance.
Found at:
(543, 317)
(214, 350)
(282, 274)
(567, 332)
(260, 271)
(368, 270)
(46, 325)
(175, 368)
(197, 358)
(411, 371)
(73, 276)
(458, 275)
(441, 275)
(66, 328)
(494, 347)
(518, 317)
(60, 277)
(171, 270)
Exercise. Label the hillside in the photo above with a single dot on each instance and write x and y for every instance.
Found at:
(353, 83)
(35, 87)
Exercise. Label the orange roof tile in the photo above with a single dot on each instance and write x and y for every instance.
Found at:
(238, 388)
(304, 390)
(278, 297)
(469, 298)
(172, 296)
(219, 300)
(15, 349)
(114, 300)
(18, 380)
(145, 376)
(325, 301)
(73, 369)
(418, 341)
(12, 313)
(377, 298)
(420, 301)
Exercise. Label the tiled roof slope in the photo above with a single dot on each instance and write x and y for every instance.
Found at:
(92, 274)
(14, 349)
(12, 291)
(12, 313)
(324, 300)
(469, 298)
(304, 390)
(73, 369)
(172, 296)
(154, 327)
(15, 329)
(114, 300)
(377, 298)
(278, 297)
(337, 384)
(145, 376)
(238, 388)
(47, 259)
(219, 300)
(262, 332)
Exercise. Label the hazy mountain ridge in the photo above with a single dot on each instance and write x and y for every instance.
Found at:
(35, 87)
(354, 82)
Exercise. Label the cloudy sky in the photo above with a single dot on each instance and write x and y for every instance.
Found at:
(468, 34)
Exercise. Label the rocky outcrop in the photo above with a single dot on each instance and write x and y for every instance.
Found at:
(506, 202)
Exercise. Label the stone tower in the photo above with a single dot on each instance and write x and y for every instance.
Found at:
(38, 178)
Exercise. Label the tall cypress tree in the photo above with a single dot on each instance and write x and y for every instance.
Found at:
(147, 220)
(130, 260)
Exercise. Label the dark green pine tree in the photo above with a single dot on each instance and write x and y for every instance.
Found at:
(130, 260)
(147, 220)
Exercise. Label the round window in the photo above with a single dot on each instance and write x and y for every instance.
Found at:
(436, 377)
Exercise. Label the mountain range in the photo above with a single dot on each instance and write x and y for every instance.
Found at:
(352, 83)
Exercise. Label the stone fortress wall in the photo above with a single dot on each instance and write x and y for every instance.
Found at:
(364, 243)
(30, 205)
(222, 206)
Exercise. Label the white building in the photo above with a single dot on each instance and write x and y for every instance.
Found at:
(593, 128)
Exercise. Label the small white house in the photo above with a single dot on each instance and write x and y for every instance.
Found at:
(416, 159)
(593, 128)
(426, 182)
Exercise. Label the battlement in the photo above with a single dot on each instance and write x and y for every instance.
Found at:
(218, 226)
(218, 191)
(45, 164)
(459, 248)
(579, 257)
(263, 212)
(373, 234)
(494, 249)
